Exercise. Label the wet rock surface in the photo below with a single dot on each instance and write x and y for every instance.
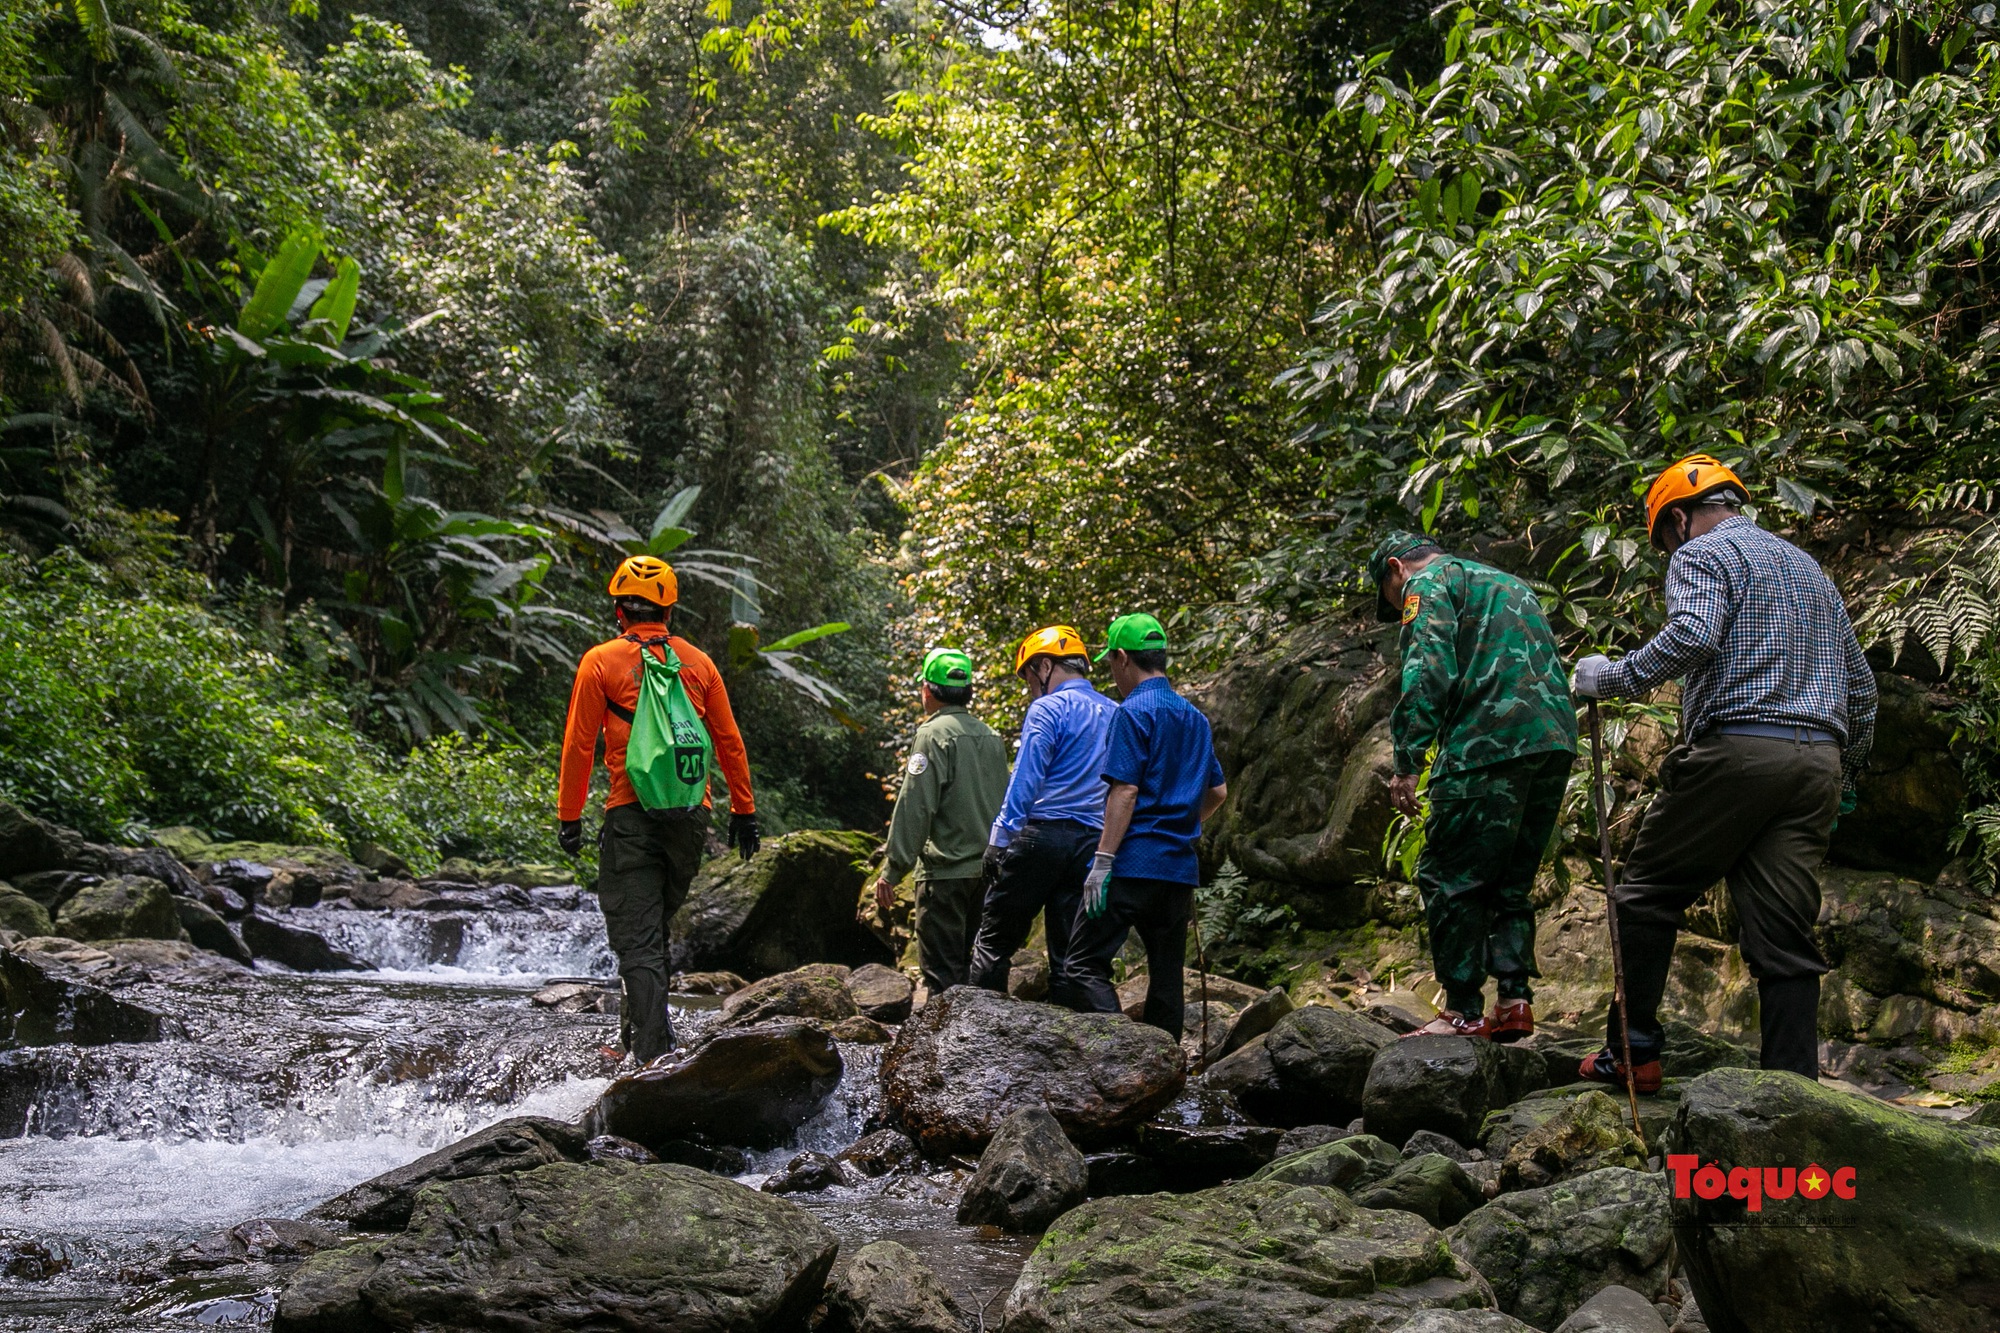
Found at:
(971, 1057)
(807, 1173)
(885, 1288)
(881, 993)
(1028, 1176)
(791, 904)
(296, 947)
(1431, 1185)
(883, 1153)
(1320, 1059)
(1546, 1251)
(44, 1002)
(1589, 1133)
(574, 1247)
(1917, 1248)
(1347, 1164)
(520, 1144)
(797, 994)
(1615, 1310)
(1258, 1255)
(749, 1087)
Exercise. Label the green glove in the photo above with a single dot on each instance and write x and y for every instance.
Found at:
(1097, 885)
(1848, 800)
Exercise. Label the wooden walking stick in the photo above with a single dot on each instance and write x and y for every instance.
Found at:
(1201, 961)
(1611, 919)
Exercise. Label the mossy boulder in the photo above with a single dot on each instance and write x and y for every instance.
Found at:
(885, 1288)
(1257, 1257)
(29, 844)
(123, 907)
(20, 912)
(1587, 1134)
(971, 1057)
(1547, 1251)
(791, 904)
(1916, 1248)
(1349, 1164)
(1444, 1084)
(1431, 1185)
(1321, 1058)
(576, 1247)
(518, 1144)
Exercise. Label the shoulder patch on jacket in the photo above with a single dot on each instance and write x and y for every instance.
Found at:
(1410, 604)
(918, 763)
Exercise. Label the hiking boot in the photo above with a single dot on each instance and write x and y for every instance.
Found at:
(1451, 1023)
(1510, 1020)
(1604, 1068)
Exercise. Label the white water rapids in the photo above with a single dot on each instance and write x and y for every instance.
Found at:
(290, 1088)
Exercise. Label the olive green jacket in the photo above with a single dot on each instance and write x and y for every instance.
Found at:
(953, 784)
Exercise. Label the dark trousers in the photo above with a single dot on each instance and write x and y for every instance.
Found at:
(646, 859)
(1158, 909)
(1756, 811)
(947, 916)
(1042, 870)
(1483, 842)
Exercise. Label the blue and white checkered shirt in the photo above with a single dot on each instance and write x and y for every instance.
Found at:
(1761, 635)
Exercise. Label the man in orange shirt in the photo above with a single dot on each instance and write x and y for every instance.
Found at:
(646, 859)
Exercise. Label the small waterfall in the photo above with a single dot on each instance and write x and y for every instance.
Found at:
(500, 946)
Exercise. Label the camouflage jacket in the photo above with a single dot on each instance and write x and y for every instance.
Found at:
(1482, 679)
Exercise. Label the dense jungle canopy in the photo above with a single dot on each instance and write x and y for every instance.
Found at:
(344, 348)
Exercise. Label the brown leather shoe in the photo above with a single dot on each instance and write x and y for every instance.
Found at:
(1451, 1023)
(1510, 1020)
(1604, 1068)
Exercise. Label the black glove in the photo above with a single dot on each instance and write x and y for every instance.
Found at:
(569, 836)
(744, 835)
(990, 863)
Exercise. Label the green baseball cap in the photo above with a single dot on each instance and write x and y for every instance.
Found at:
(1136, 633)
(1397, 545)
(948, 667)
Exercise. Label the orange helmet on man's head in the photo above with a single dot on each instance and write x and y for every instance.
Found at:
(1050, 641)
(649, 577)
(1691, 478)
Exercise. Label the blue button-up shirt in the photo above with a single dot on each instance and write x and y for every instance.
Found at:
(1058, 773)
(1761, 635)
(1161, 744)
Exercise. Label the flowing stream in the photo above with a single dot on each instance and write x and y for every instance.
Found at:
(290, 1088)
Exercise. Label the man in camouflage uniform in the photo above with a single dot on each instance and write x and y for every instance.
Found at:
(1486, 699)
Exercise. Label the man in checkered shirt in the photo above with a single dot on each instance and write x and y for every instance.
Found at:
(1777, 715)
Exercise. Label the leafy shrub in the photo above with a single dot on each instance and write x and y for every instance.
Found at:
(121, 707)
(481, 799)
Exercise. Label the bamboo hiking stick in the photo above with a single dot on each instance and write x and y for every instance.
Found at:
(1201, 961)
(1611, 918)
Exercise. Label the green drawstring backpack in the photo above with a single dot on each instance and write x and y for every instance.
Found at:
(668, 757)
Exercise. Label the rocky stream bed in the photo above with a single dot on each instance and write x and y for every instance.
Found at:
(273, 1087)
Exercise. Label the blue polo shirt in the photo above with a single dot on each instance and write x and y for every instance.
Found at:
(1059, 771)
(1161, 744)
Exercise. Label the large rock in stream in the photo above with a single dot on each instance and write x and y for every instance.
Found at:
(1028, 1176)
(885, 1288)
(43, 1004)
(971, 1057)
(520, 1144)
(1257, 1257)
(749, 1087)
(295, 947)
(791, 904)
(568, 1247)
(1917, 1247)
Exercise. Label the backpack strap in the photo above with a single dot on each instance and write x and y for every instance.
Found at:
(618, 710)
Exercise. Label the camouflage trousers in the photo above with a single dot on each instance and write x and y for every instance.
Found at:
(1483, 842)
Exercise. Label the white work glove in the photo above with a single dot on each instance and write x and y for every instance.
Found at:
(1097, 885)
(1588, 672)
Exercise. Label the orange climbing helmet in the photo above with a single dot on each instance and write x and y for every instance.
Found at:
(646, 576)
(1691, 478)
(1052, 640)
